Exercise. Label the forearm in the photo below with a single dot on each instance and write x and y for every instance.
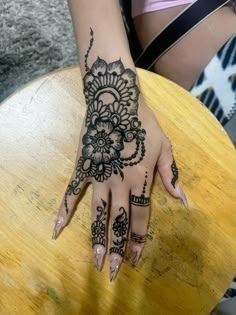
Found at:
(104, 18)
(117, 151)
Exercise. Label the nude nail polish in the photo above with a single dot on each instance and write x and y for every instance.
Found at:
(182, 195)
(99, 252)
(115, 261)
(58, 227)
(135, 254)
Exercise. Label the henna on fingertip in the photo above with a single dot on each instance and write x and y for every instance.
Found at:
(119, 230)
(98, 227)
(98, 232)
(176, 185)
(175, 173)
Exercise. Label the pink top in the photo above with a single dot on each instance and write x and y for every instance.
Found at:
(145, 6)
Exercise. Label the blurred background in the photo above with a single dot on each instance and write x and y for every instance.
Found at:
(36, 37)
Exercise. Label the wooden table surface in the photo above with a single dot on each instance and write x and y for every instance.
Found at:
(190, 256)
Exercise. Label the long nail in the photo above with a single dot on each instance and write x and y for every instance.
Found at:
(182, 195)
(58, 227)
(115, 261)
(99, 252)
(135, 254)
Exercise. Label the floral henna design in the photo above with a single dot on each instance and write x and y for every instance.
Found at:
(175, 172)
(112, 124)
(98, 227)
(120, 227)
(142, 200)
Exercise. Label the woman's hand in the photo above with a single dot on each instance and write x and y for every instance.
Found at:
(121, 143)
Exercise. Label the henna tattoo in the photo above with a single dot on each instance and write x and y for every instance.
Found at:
(88, 51)
(175, 172)
(120, 227)
(138, 238)
(111, 94)
(142, 200)
(98, 227)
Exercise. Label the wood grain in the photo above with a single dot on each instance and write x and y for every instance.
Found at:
(190, 255)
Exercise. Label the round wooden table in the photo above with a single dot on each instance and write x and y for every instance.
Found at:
(190, 256)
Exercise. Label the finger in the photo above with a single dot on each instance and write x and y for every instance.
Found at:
(119, 228)
(99, 222)
(168, 171)
(73, 191)
(140, 210)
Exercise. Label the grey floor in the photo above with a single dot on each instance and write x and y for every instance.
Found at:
(36, 37)
(225, 308)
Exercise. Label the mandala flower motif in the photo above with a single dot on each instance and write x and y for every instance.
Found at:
(119, 115)
(119, 229)
(120, 225)
(111, 82)
(98, 229)
(102, 143)
(96, 110)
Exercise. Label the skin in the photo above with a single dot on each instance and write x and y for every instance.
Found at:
(110, 44)
(184, 62)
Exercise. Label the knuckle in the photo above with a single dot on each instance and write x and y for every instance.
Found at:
(116, 205)
(141, 170)
(98, 187)
(98, 200)
(144, 172)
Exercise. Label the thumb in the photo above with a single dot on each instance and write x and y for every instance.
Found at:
(168, 171)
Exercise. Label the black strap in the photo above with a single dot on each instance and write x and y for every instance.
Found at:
(134, 44)
(174, 31)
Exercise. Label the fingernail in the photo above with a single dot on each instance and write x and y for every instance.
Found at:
(182, 195)
(99, 252)
(115, 261)
(135, 254)
(57, 228)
